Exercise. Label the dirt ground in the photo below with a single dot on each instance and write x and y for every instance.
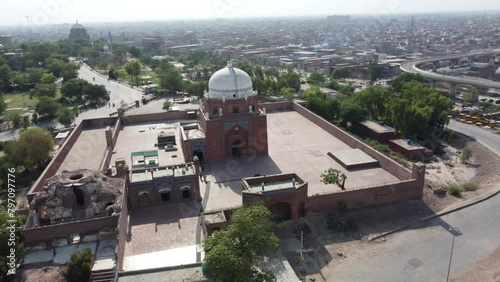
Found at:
(482, 169)
(485, 269)
(41, 273)
(330, 249)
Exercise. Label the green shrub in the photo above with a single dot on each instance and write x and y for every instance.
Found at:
(466, 155)
(79, 268)
(454, 190)
(470, 186)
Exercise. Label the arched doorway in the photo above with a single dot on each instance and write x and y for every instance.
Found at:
(199, 154)
(281, 211)
(144, 199)
(237, 149)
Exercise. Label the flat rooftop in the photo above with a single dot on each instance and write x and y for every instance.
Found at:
(404, 144)
(87, 152)
(296, 145)
(377, 127)
(354, 158)
(143, 137)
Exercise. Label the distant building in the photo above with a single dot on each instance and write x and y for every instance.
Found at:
(5, 40)
(152, 42)
(337, 19)
(78, 32)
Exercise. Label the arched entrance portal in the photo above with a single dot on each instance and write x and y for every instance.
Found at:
(199, 154)
(281, 211)
(237, 149)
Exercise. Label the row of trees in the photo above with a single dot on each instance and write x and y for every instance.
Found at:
(411, 107)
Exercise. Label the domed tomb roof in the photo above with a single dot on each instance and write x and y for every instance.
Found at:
(230, 83)
(77, 26)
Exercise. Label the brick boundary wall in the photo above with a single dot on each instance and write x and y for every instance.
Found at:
(388, 164)
(122, 233)
(56, 162)
(133, 119)
(278, 106)
(36, 235)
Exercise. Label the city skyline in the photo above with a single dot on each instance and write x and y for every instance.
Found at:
(93, 11)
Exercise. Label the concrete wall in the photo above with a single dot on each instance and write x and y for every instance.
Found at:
(100, 122)
(388, 164)
(277, 107)
(406, 190)
(36, 235)
(56, 162)
(122, 233)
(154, 117)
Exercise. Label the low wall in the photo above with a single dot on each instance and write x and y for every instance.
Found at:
(388, 164)
(36, 235)
(132, 119)
(116, 131)
(56, 162)
(122, 234)
(100, 122)
(402, 191)
(278, 106)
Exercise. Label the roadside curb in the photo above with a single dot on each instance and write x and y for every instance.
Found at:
(387, 233)
(463, 205)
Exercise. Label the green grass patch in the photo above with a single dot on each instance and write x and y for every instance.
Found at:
(16, 111)
(19, 100)
(470, 186)
(454, 190)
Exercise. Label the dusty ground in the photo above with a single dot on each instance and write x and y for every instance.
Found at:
(41, 273)
(485, 269)
(483, 169)
(330, 249)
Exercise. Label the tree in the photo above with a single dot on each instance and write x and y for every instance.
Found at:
(351, 112)
(55, 66)
(134, 51)
(5, 231)
(3, 106)
(314, 91)
(16, 119)
(258, 72)
(34, 75)
(73, 88)
(25, 122)
(79, 268)
(233, 255)
(47, 106)
(5, 76)
(342, 72)
(398, 83)
(95, 92)
(133, 69)
(33, 148)
(374, 101)
(65, 117)
(472, 96)
(44, 90)
(334, 176)
(69, 72)
(48, 78)
(246, 67)
(376, 71)
(34, 118)
(316, 78)
(287, 93)
(171, 80)
(167, 105)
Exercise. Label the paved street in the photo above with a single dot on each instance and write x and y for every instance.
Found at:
(118, 91)
(483, 136)
(423, 254)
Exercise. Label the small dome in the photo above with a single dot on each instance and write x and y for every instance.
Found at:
(77, 26)
(230, 83)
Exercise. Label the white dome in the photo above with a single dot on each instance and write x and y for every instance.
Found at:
(230, 83)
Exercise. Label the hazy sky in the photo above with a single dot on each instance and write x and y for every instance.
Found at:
(13, 12)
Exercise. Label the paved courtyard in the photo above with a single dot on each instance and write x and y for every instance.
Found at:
(88, 151)
(296, 145)
(162, 228)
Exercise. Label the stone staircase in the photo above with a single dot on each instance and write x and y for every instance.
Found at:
(103, 276)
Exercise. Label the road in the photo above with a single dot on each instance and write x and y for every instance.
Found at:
(118, 91)
(424, 254)
(411, 66)
(487, 138)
